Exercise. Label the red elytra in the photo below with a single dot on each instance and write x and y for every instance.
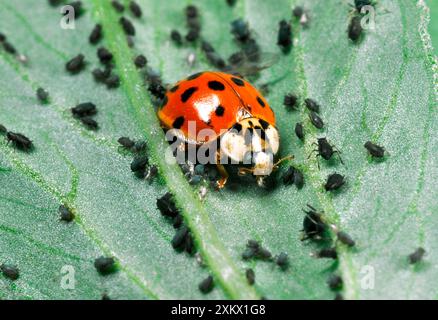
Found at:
(214, 100)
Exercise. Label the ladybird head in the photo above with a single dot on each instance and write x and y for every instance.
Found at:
(252, 142)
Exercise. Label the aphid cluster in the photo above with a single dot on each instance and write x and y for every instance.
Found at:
(182, 240)
(140, 164)
(85, 112)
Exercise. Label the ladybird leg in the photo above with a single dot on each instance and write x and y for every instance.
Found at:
(289, 157)
(222, 171)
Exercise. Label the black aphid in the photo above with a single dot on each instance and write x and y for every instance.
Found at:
(313, 226)
(2, 37)
(112, 81)
(90, 123)
(176, 37)
(42, 95)
(96, 34)
(76, 64)
(231, 2)
(255, 250)
(118, 6)
(316, 120)
(290, 101)
(105, 265)
(206, 285)
(139, 163)
(65, 214)
(179, 239)
(250, 276)
(240, 30)
(346, 239)
(135, 9)
(157, 90)
(354, 28)
(10, 271)
(326, 150)
(327, 253)
(19, 140)
(334, 182)
(166, 205)
(282, 260)
(417, 255)
(297, 12)
(84, 109)
(126, 142)
(284, 38)
(191, 12)
(104, 55)
(3, 129)
(299, 130)
(140, 61)
(293, 175)
(312, 105)
(127, 25)
(9, 48)
(374, 149)
(334, 282)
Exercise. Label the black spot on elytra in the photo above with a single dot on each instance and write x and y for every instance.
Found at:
(188, 93)
(238, 81)
(260, 101)
(173, 89)
(194, 76)
(216, 85)
(219, 111)
(177, 124)
(264, 124)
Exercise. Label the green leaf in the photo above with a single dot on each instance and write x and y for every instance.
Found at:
(380, 89)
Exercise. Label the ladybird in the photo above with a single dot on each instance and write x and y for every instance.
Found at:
(240, 120)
